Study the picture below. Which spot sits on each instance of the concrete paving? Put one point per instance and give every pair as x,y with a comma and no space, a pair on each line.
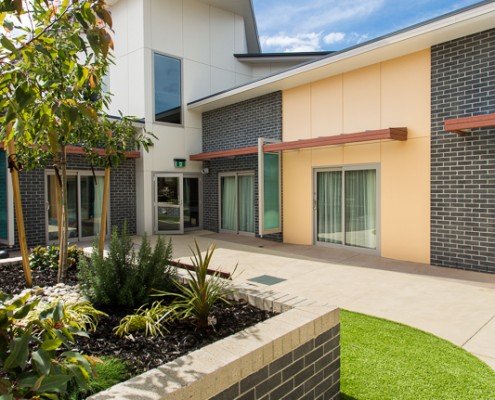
456,305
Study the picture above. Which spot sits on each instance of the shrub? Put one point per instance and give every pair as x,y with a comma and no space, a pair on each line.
147,320
32,361
108,372
81,316
43,257
125,278
197,296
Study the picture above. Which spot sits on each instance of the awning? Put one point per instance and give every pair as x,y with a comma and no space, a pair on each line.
464,125
366,136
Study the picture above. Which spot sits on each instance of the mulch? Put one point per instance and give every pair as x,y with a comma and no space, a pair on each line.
12,278
142,353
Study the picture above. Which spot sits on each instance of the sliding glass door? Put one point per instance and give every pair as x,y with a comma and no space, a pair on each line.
84,205
237,202
346,207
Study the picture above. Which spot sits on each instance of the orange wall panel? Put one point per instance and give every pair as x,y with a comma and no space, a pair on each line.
390,94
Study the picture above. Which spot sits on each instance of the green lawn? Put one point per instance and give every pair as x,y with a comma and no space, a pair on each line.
385,360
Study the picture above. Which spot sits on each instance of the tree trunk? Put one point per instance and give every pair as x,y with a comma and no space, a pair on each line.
104,211
61,163
20,217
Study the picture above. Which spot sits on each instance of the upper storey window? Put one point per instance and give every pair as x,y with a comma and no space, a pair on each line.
168,91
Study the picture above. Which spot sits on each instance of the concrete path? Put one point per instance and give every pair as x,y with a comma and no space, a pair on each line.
456,305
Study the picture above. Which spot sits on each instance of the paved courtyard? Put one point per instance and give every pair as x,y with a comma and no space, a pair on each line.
456,305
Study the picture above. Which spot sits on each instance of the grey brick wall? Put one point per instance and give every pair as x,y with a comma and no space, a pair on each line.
122,198
235,126
310,372
463,167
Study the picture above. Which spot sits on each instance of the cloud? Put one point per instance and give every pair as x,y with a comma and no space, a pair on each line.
292,43
334,37
301,16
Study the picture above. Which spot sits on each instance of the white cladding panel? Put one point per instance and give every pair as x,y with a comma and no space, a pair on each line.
205,38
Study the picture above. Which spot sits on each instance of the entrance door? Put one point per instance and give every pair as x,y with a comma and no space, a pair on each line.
168,204
237,202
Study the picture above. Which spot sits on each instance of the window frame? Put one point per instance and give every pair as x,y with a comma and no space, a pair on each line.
342,169
181,60
77,174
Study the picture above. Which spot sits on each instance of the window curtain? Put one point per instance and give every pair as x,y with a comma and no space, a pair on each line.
360,208
228,203
246,203
329,207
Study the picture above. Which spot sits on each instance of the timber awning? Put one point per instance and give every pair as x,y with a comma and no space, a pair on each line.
366,136
464,125
101,152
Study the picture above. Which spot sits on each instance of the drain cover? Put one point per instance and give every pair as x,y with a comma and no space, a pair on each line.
267,280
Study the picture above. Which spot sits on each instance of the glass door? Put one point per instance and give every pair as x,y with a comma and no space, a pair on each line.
228,203
91,204
245,203
72,207
168,204
237,202
345,207
191,202
329,207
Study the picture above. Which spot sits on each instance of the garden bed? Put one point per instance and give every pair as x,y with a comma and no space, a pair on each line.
12,277
139,351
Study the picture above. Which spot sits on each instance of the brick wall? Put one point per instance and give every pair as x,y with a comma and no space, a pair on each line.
235,126
463,167
122,198
310,372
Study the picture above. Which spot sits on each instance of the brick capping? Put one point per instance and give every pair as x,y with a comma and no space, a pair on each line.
464,125
294,355
369,135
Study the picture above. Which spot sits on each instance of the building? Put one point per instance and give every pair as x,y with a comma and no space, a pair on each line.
386,147
167,53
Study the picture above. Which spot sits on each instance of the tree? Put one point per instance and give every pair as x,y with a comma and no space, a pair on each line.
53,59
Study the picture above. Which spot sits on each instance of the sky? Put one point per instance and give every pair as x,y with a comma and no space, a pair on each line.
317,25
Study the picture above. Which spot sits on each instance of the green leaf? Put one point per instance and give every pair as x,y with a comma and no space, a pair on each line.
41,361
20,352
20,314
7,44
55,383
58,312
51,344
80,375
8,396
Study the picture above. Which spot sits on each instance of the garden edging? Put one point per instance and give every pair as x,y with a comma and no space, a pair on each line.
295,355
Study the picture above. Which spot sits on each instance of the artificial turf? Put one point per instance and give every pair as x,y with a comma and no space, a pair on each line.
383,360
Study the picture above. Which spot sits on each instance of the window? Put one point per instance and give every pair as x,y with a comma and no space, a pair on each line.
167,86
271,193
346,207
84,204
